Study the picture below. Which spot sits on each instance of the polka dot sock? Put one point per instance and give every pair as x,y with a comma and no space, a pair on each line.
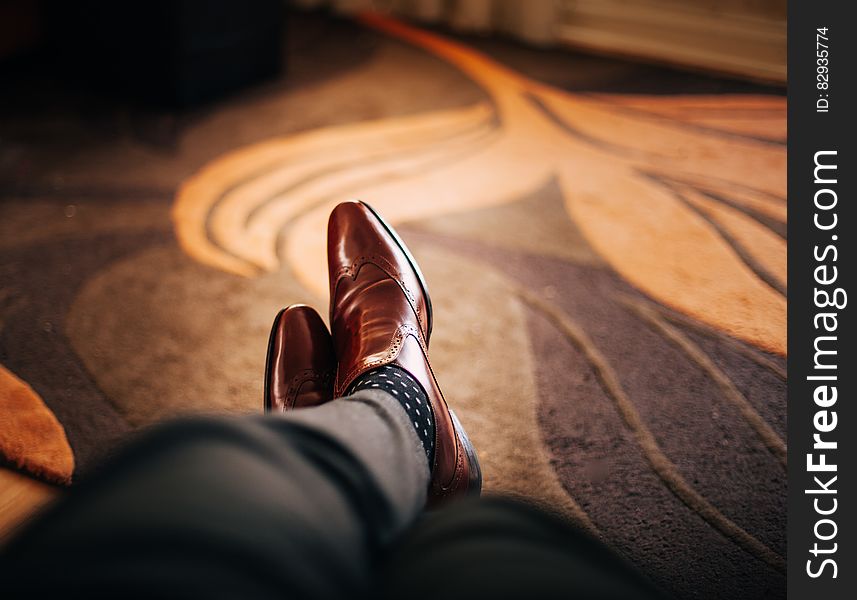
398,383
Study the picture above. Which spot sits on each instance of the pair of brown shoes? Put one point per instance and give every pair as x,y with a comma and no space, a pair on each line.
380,314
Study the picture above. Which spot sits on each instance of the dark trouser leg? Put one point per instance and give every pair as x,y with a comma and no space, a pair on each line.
282,507
498,548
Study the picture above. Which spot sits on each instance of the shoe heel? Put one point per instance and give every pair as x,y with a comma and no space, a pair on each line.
474,482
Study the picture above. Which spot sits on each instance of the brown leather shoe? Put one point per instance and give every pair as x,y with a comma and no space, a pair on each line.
380,314
301,364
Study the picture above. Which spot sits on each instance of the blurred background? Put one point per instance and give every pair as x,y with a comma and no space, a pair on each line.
172,43
595,190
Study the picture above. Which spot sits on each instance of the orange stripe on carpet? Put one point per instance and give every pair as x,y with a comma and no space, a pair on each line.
31,437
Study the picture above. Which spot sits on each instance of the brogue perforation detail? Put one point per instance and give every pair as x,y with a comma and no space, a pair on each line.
301,378
353,270
395,346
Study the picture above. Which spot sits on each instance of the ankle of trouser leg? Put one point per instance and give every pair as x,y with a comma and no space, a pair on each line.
410,395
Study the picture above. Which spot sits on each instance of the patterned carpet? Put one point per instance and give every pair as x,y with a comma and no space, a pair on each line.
604,242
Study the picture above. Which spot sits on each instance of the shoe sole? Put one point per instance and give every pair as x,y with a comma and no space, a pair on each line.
401,244
268,360
474,481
